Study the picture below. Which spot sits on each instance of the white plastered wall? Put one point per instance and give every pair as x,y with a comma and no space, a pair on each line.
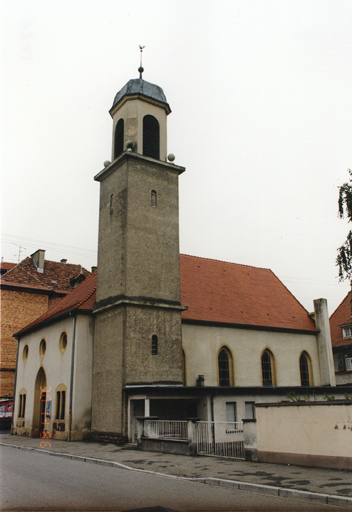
57,368
202,344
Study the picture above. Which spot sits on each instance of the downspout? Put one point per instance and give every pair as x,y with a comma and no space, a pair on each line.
71,377
15,384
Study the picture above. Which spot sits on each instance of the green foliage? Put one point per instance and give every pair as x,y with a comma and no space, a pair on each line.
328,397
294,397
344,253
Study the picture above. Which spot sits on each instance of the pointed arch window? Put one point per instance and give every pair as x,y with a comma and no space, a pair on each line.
225,367
151,137
305,369
118,140
268,368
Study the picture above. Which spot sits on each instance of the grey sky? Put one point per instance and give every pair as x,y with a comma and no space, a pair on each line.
260,93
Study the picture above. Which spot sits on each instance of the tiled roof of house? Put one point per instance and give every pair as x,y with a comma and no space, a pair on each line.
218,292
5,266
341,316
56,277
81,298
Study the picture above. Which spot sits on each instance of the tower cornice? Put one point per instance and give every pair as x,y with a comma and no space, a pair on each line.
129,155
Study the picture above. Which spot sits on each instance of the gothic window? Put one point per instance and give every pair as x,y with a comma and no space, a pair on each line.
304,368
225,367
154,345
154,198
60,402
118,142
22,404
268,369
151,137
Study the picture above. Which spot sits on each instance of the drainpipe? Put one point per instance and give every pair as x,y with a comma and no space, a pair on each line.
15,384
71,377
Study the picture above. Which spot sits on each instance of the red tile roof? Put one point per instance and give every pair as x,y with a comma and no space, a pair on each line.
218,292
56,277
6,265
81,298
341,316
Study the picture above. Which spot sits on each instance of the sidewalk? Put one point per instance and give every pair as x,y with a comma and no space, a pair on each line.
323,485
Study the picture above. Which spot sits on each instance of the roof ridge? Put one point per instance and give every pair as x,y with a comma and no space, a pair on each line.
35,277
227,262
15,265
343,300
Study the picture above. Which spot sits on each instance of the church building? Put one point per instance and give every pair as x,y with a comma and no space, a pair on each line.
154,333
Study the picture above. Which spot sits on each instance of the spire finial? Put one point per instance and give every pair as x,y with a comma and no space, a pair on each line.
141,69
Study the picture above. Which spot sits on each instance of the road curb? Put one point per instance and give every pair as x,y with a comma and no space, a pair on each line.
327,499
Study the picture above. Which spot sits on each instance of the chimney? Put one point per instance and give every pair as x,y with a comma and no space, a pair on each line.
38,260
63,261
94,269
326,361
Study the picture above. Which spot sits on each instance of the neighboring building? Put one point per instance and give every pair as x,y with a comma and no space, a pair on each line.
341,337
159,334
28,290
5,266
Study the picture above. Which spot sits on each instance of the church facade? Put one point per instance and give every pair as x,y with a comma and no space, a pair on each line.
154,333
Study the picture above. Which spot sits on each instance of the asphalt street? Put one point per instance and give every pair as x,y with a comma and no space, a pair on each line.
36,481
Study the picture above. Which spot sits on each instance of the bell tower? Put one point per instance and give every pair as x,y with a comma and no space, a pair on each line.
137,339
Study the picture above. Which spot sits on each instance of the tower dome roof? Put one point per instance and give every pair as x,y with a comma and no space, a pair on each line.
140,86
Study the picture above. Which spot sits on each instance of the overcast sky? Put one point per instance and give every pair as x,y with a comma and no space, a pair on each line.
261,99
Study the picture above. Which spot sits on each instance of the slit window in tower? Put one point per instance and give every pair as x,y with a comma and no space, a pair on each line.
118,142
151,137
154,345
154,198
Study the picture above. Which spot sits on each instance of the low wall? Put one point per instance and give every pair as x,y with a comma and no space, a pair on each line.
308,433
167,446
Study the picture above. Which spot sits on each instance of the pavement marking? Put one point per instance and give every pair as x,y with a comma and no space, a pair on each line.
328,499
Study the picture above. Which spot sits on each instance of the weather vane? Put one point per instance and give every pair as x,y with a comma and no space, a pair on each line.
141,69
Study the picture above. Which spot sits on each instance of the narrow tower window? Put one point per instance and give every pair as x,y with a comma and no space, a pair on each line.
154,198
151,137
118,142
111,204
154,345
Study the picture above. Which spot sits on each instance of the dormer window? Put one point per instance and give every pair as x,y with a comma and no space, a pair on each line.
347,332
151,137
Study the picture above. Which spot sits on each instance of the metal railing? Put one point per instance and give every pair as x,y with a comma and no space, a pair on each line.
220,439
166,429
